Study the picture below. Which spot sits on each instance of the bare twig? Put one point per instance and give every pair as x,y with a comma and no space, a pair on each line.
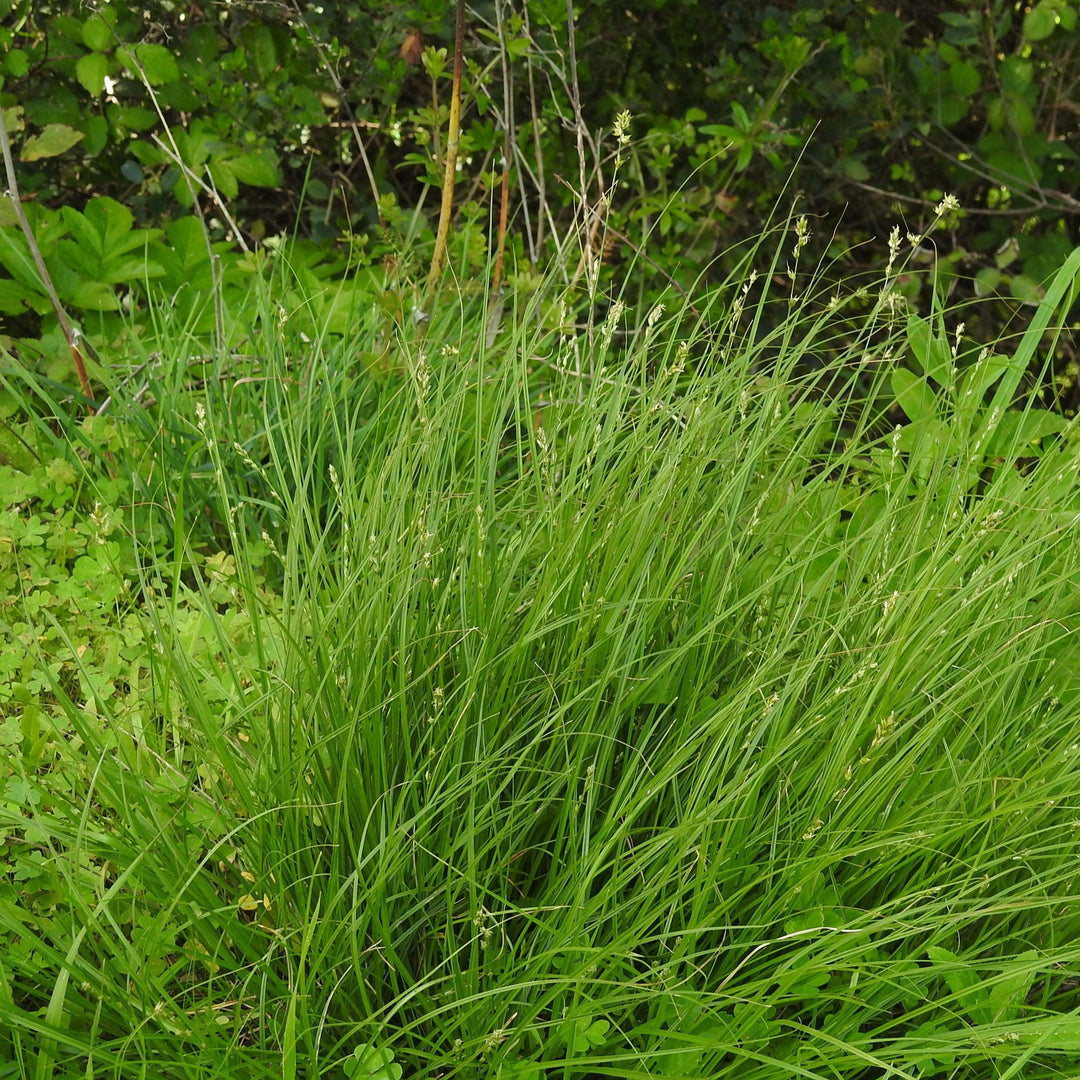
211,192
535,246
353,123
579,130
1038,197
71,336
452,135
623,238
173,151
504,187
560,72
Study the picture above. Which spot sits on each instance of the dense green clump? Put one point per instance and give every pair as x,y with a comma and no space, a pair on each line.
550,701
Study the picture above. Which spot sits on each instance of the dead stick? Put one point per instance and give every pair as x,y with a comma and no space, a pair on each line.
504,187
452,134
504,209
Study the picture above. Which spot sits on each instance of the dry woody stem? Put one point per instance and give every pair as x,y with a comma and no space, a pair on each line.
452,135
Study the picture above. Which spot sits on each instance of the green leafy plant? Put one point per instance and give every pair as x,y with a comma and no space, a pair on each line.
341,111
368,1063
947,406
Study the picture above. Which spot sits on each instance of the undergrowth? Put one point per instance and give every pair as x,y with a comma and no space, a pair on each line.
523,706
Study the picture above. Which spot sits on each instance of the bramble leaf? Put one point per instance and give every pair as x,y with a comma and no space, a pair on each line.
53,140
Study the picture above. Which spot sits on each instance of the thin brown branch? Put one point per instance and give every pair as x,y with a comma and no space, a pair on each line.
452,136
352,120
504,212
974,211
639,253
504,186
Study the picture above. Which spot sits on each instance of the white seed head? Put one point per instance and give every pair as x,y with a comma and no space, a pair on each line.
950,202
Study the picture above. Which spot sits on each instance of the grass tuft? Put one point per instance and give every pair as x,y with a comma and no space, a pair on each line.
632,705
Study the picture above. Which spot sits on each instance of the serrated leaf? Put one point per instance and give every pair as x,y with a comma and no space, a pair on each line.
112,220
126,271
224,177
71,268
14,297
133,117
91,296
155,62
146,153
197,144
259,41
187,239
16,260
53,140
97,33
257,169
91,70
159,64
88,239
202,43
1007,995
135,240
